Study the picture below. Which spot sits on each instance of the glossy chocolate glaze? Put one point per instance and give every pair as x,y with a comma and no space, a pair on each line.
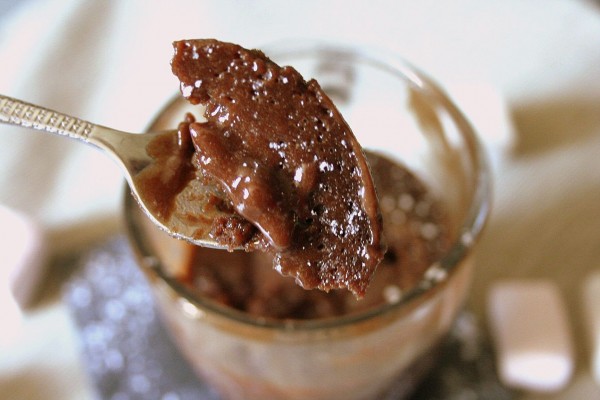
288,162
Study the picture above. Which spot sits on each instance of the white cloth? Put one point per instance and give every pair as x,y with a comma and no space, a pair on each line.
533,63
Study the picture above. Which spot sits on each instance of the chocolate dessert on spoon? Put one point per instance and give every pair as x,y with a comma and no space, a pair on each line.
272,165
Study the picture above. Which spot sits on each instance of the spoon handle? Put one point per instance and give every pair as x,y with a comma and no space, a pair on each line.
19,113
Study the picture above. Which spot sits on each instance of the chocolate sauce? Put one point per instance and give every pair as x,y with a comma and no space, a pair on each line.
171,171
288,163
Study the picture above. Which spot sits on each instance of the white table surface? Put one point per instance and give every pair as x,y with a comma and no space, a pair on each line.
526,72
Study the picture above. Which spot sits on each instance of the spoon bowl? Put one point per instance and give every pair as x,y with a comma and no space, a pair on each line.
130,151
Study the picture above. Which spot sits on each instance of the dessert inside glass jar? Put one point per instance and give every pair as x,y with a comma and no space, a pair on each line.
253,334
416,231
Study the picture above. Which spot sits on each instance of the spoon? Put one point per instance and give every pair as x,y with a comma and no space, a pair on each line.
129,151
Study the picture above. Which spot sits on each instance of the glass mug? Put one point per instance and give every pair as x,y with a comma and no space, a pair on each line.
380,353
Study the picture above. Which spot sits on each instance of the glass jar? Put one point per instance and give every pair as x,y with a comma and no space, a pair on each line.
393,109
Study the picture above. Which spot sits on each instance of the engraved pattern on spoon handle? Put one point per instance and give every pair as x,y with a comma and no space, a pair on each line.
17,112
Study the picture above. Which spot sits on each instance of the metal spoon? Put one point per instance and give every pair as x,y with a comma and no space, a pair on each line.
129,151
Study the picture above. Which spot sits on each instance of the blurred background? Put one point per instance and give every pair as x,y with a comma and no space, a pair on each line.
526,73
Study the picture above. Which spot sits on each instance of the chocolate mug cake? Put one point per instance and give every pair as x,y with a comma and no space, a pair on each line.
252,333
